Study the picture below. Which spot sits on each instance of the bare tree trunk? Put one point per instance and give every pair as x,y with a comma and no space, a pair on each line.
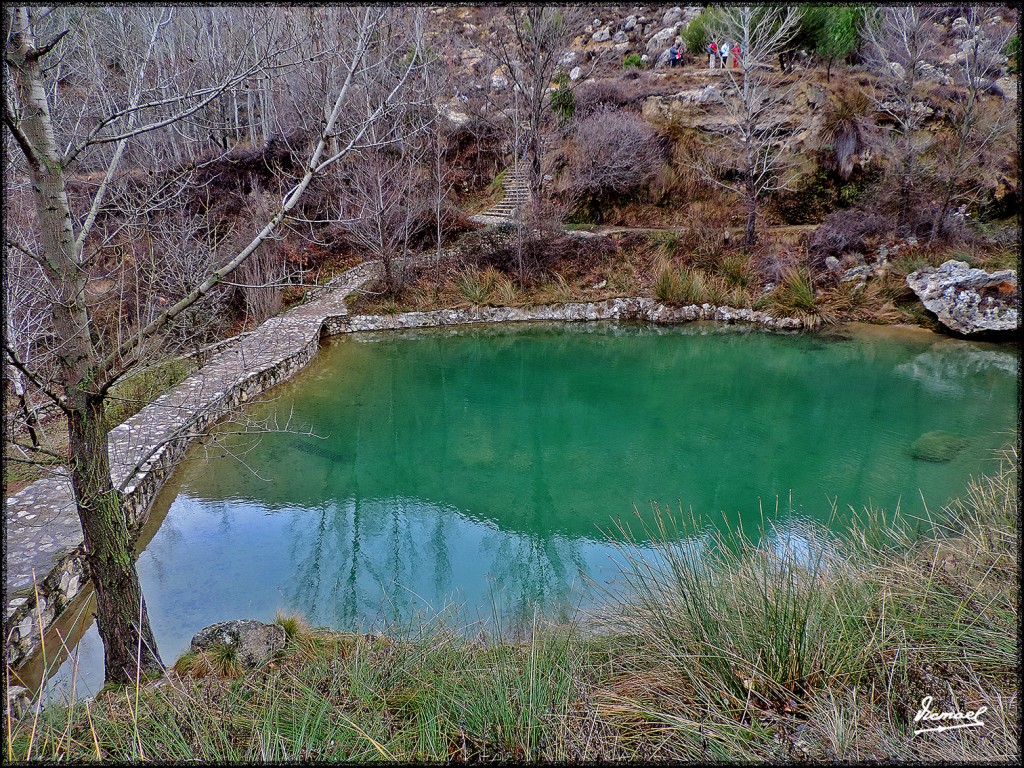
940,212
129,647
120,611
31,419
750,237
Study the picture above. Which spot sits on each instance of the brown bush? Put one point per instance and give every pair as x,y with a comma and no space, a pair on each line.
597,94
845,231
222,183
614,153
474,152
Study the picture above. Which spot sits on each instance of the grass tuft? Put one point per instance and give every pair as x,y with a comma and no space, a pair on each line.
296,628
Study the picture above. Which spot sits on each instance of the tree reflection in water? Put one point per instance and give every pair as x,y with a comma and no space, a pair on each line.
362,562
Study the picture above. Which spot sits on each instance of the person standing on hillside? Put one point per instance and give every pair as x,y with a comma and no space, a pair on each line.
736,54
712,50
674,58
723,51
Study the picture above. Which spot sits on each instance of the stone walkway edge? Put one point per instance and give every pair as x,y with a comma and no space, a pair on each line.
44,550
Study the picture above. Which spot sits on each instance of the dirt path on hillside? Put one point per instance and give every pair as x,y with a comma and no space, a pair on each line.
782,229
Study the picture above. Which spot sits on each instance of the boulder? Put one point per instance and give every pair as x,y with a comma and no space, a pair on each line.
969,301
672,16
691,12
18,700
938,446
575,73
630,24
602,35
857,274
660,41
961,24
252,640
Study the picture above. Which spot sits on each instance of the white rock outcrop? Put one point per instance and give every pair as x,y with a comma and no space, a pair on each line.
968,300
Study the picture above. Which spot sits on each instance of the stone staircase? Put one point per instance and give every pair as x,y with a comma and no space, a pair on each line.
517,193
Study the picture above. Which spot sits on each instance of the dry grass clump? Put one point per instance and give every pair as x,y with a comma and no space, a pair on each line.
681,286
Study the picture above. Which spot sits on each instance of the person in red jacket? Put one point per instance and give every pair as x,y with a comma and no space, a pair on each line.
712,50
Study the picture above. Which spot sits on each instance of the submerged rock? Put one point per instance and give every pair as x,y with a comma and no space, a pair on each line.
937,446
969,300
252,640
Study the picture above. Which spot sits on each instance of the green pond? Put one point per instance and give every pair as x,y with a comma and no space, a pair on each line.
487,466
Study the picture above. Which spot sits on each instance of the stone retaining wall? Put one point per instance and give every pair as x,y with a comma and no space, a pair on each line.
612,309
146,448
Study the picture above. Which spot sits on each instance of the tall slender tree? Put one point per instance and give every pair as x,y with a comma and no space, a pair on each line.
128,104
747,153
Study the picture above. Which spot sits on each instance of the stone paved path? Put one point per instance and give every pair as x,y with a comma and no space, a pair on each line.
41,522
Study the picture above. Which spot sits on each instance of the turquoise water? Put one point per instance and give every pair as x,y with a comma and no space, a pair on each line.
486,466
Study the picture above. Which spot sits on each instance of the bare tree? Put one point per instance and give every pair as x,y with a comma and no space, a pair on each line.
109,130
977,120
748,154
528,49
898,41
24,329
383,191
437,82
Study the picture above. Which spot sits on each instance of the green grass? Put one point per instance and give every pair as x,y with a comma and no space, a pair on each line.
632,61
795,296
474,286
817,648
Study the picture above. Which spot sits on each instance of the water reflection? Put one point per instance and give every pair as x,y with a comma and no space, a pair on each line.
361,562
953,368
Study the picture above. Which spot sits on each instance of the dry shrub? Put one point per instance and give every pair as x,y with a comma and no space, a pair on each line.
772,263
848,128
473,151
259,281
614,153
222,183
594,95
845,231
701,241
533,253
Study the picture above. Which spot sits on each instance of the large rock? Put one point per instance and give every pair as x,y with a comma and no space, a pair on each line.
253,640
661,40
968,300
